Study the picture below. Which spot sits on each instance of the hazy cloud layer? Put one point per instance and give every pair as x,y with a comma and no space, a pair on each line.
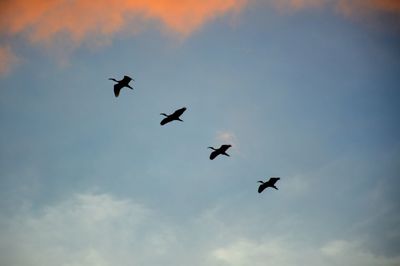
99,229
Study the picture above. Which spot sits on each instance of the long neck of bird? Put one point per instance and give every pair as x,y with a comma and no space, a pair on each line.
164,114
113,79
212,148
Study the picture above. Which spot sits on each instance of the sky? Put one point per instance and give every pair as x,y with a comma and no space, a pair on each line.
306,90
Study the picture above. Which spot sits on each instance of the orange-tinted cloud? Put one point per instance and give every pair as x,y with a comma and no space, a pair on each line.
43,20
348,7
8,60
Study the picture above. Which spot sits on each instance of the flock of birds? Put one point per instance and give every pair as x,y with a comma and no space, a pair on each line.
175,116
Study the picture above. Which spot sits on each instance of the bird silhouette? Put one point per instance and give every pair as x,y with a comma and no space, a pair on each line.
221,150
270,183
174,116
121,83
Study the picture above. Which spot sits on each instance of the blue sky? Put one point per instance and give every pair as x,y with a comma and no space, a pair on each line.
308,94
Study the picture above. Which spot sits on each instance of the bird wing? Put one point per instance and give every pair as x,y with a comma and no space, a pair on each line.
179,112
213,155
165,121
117,89
261,188
126,79
224,147
273,180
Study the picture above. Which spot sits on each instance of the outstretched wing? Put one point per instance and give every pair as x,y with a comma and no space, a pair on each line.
165,121
179,112
261,188
273,180
224,147
117,89
213,155
126,79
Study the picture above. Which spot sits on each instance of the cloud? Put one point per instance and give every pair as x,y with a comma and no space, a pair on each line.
65,25
42,20
86,229
100,229
8,60
227,137
283,253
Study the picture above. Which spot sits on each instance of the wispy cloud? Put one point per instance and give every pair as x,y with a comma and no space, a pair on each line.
8,60
227,137
42,21
85,229
70,23
283,253
100,229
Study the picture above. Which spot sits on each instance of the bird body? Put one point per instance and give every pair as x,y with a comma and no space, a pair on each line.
221,150
121,83
174,116
270,183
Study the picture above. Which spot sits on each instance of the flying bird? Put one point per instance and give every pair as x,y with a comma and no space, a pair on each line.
121,83
174,116
270,183
221,150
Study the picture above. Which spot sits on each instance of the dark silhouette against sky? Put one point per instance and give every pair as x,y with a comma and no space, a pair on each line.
174,116
221,150
270,183
121,83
